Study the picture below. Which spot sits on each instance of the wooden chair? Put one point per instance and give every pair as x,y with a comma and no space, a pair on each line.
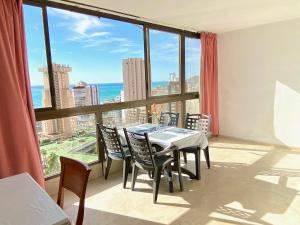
74,177
114,150
197,122
169,119
143,158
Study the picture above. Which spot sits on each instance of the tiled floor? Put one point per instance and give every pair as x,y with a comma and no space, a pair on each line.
248,183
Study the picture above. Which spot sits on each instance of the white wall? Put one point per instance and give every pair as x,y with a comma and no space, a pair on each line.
259,83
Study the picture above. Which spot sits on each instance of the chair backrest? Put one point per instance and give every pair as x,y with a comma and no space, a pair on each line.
198,122
74,177
169,119
140,150
111,140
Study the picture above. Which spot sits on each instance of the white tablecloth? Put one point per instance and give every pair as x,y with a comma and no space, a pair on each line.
169,137
23,202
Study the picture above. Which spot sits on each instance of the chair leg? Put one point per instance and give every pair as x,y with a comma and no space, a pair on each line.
197,161
107,168
206,154
177,167
184,157
126,167
179,170
150,174
170,178
135,170
156,182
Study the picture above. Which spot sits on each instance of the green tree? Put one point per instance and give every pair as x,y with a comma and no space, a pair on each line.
53,165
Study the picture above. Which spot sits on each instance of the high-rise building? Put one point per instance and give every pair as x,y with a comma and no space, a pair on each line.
174,88
59,127
134,88
192,83
134,79
85,94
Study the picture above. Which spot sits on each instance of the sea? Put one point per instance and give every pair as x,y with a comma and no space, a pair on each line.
107,91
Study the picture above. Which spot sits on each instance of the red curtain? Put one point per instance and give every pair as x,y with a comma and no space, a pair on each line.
19,149
209,79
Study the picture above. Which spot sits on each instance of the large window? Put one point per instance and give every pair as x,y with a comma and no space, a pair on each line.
97,60
97,70
73,137
192,64
37,60
164,58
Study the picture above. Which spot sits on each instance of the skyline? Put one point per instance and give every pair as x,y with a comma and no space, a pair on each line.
104,43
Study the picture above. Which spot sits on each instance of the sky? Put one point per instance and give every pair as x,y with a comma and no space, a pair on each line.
95,47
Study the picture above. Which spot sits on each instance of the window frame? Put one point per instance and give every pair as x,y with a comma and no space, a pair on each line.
185,89
54,113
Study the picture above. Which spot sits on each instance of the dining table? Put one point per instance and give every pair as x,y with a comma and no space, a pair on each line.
24,202
170,139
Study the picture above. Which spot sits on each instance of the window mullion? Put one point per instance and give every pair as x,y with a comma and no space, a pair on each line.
48,55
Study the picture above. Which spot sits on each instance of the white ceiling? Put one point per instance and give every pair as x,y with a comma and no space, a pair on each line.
205,15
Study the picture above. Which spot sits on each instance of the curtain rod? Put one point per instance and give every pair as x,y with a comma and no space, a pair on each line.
100,8
142,19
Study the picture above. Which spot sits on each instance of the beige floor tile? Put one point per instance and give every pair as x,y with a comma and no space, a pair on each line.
248,183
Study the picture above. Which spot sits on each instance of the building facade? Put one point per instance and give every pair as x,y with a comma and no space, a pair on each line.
134,89
64,127
84,94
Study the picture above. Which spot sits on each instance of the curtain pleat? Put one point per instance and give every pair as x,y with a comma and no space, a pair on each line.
209,79
19,149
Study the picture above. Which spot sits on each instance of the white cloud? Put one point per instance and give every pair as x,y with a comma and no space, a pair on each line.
87,37
82,25
167,52
91,33
107,40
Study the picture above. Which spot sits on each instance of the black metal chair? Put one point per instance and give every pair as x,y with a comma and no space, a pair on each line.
144,158
169,119
197,122
114,150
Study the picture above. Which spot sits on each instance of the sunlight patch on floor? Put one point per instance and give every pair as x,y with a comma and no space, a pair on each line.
229,155
270,179
289,161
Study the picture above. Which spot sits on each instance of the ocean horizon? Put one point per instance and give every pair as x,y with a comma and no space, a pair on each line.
107,91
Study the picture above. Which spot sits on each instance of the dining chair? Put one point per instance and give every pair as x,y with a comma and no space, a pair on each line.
197,122
114,150
74,177
144,158
169,119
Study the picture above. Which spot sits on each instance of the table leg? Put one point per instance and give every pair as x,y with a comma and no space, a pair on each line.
176,155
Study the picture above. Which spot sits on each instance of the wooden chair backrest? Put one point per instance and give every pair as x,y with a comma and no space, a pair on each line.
74,177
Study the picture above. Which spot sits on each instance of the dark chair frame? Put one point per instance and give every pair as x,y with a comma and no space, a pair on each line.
174,118
114,150
191,120
74,177
146,160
